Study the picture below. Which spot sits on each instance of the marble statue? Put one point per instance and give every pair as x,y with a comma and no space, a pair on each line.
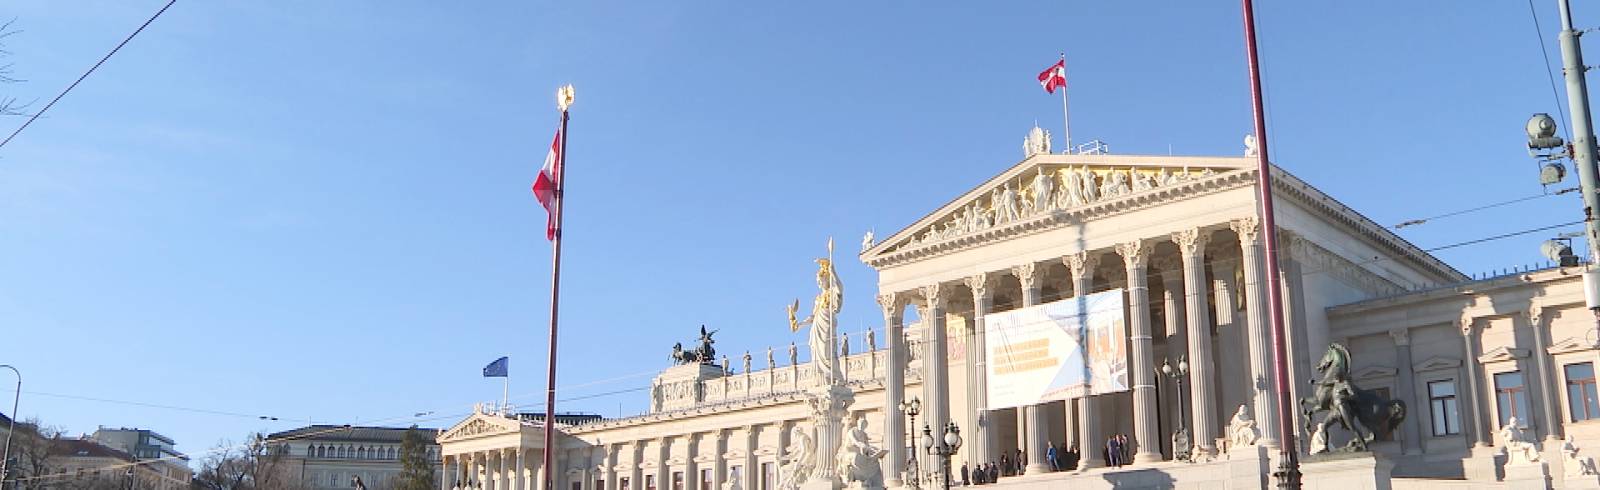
1007,210
1037,141
1142,181
844,344
1091,189
1116,184
1363,412
866,241
746,361
1516,444
798,460
1044,188
725,364
732,481
1250,145
1319,441
1575,464
823,320
794,357
1072,190
770,364
1171,178
858,459
872,341
1242,430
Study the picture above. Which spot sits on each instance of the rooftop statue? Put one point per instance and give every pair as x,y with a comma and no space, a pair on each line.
1362,412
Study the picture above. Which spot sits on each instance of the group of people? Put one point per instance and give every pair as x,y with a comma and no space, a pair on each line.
1116,451
1016,464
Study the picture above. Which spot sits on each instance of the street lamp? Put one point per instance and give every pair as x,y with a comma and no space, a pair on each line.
5,459
943,449
912,407
1179,452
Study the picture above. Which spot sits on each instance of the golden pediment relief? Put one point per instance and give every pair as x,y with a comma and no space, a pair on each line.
1047,189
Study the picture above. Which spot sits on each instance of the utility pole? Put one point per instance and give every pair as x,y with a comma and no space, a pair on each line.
1583,148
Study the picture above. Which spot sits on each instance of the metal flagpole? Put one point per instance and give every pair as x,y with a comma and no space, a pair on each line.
563,100
1066,124
505,392
1288,473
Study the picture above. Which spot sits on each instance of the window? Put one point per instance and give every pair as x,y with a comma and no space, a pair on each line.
1582,401
677,480
769,477
1442,402
322,451
1511,399
705,480
624,483
649,482
599,483
577,485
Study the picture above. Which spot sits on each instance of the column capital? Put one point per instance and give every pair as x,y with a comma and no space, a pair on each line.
1248,229
1401,336
1027,274
1191,242
1536,315
890,302
933,295
1135,256
1465,323
1082,263
979,283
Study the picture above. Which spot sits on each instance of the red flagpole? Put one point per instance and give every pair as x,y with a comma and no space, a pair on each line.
565,96
1288,473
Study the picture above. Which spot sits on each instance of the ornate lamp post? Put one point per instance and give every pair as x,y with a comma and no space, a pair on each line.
943,449
1182,434
912,407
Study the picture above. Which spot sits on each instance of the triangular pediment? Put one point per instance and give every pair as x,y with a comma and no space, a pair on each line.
1503,354
1436,363
480,425
1373,372
1046,189
1570,344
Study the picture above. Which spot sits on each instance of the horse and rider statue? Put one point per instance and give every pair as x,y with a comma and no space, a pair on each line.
1366,414
702,354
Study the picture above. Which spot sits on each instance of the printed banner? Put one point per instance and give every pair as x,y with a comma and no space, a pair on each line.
1037,354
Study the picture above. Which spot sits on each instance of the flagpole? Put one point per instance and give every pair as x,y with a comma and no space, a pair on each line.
564,100
1066,122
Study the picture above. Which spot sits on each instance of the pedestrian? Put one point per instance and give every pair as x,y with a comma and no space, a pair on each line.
1123,444
965,481
1072,455
1111,451
1022,461
994,471
1005,462
1050,456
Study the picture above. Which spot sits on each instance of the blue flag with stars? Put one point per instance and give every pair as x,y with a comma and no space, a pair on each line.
500,368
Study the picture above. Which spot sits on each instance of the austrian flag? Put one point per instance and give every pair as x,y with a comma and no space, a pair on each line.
545,185
1054,77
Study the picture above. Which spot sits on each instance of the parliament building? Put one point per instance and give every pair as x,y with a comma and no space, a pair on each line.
1486,383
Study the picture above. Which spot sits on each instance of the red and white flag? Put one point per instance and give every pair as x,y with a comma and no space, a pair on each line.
1054,77
545,185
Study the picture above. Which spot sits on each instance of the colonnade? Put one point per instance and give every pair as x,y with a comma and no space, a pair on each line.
1190,314
499,469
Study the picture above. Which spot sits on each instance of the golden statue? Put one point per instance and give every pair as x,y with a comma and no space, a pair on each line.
823,319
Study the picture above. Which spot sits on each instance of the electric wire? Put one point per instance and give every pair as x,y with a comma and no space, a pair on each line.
1419,221
97,64
1538,33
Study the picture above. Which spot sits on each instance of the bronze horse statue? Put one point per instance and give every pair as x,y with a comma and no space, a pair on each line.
1362,412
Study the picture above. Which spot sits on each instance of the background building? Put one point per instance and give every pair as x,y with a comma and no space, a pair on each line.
328,456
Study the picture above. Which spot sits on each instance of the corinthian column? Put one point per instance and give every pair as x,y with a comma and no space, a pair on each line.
1146,431
1257,330
1090,440
936,362
978,372
1192,245
1480,426
1038,426
894,429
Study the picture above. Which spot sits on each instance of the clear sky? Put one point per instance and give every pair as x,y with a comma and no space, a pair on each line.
319,211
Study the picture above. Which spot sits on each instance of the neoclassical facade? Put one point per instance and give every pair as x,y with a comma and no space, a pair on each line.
1181,238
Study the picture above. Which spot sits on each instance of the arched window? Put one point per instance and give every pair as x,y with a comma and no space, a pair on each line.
341,451
321,452
361,453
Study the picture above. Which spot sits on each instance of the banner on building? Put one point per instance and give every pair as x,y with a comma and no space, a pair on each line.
1055,351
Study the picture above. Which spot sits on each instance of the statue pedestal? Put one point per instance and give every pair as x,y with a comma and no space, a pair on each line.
1535,475
1248,468
1585,482
678,387
829,404
1346,471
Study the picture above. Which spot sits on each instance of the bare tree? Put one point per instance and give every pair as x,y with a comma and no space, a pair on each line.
31,445
257,465
8,105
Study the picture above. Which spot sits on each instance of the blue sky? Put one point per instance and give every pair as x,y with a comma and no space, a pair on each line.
319,210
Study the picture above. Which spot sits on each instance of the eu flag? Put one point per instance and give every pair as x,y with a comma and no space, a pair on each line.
500,368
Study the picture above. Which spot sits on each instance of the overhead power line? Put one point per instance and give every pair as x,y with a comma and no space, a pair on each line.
97,64
1419,221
